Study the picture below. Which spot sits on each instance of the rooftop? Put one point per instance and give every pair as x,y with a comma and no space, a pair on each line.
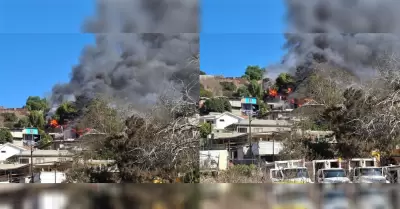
46,153
12,166
228,135
265,122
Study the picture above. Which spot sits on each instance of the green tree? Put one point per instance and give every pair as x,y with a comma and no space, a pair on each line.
254,72
284,81
36,119
202,72
255,89
45,139
35,103
219,104
243,91
66,111
5,136
205,130
262,107
22,123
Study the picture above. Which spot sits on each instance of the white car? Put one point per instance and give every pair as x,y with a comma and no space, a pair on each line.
369,175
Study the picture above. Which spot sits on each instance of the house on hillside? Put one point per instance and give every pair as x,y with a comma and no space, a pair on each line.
8,149
42,157
219,121
236,106
260,127
266,139
18,136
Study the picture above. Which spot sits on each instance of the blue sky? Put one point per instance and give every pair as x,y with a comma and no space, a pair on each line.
40,41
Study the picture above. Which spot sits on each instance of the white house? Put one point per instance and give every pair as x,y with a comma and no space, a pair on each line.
18,135
45,158
220,121
8,149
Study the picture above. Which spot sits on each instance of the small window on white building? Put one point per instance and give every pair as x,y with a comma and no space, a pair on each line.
3,151
242,130
221,120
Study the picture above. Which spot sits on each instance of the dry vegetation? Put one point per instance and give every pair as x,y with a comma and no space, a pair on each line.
363,115
162,142
236,174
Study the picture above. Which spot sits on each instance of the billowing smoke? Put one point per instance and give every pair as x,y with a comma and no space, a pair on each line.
142,48
351,34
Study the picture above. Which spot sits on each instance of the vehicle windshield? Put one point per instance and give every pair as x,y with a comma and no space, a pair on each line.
371,171
290,173
334,173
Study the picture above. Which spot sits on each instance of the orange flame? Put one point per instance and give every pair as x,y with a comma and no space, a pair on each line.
54,123
273,92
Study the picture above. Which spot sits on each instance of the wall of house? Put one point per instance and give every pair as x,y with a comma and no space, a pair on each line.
261,129
267,148
17,133
224,121
39,160
8,151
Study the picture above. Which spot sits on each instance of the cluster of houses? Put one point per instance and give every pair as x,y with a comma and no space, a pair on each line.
20,160
237,139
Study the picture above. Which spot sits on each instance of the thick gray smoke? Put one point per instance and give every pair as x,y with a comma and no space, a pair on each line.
352,34
142,48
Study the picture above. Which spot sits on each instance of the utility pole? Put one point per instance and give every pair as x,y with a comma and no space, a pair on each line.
32,140
55,172
249,136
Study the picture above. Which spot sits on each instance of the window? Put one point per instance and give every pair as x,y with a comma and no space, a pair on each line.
257,130
242,130
3,151
23,160
221,120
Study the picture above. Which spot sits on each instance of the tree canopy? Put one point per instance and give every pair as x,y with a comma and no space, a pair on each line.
218,104
65,112
284,81
254,72
36,119
5,136
35,103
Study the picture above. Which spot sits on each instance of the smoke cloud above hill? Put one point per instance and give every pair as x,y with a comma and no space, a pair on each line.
352,34
142,48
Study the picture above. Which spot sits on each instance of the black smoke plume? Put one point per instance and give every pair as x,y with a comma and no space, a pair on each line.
351,34
142,48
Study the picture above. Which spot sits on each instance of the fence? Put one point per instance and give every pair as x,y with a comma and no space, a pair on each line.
199,196
209,162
